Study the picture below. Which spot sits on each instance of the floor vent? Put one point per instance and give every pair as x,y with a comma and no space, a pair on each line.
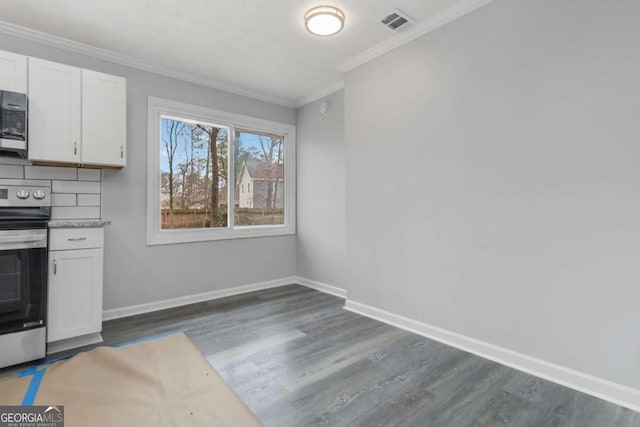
396,20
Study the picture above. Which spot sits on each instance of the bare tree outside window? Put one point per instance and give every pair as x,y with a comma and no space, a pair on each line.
195,169
193,174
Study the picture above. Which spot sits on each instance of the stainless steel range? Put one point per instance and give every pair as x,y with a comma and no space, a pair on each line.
24,213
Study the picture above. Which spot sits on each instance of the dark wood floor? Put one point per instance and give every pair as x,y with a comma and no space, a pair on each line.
296,358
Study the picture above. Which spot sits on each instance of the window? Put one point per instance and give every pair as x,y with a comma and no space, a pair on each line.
260,157
200,163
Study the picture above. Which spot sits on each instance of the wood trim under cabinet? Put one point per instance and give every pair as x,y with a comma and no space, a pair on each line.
75,165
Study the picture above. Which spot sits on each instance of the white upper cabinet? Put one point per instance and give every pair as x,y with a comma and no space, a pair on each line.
104,116
13,72
54,112
76,116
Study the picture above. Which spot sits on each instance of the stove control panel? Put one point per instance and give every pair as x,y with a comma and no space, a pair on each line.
29,196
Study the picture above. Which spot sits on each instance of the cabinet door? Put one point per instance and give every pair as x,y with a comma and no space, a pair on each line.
104,116
75,293
13,72
54,112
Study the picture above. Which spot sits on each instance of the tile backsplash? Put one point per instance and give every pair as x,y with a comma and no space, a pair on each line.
76,193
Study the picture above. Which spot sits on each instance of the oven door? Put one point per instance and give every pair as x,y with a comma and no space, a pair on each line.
23,279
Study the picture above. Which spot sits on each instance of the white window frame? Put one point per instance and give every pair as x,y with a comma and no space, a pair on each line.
158,107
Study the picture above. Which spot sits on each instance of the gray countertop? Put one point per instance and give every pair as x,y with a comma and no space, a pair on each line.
78,223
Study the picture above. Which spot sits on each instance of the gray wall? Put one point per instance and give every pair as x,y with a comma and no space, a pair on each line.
493,181
134,272
321,192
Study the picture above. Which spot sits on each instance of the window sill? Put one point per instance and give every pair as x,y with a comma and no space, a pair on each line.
170,237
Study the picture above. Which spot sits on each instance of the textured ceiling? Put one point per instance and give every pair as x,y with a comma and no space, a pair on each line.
257,45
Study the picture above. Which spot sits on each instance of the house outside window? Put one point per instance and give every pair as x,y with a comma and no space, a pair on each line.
268,185
200,161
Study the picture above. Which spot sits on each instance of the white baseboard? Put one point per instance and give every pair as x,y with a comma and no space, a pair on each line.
132,310
75,342
604,389
322,287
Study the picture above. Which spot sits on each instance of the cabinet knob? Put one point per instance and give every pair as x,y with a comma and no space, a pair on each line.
75,148
121,152
55,267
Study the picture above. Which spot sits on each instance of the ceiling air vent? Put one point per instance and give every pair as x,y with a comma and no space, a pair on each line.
396,20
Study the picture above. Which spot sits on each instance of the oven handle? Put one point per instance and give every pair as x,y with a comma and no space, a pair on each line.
20,239
13,240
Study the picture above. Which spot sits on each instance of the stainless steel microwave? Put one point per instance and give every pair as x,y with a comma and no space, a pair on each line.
13,122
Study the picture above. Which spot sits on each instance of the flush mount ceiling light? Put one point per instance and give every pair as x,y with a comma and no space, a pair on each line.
324,20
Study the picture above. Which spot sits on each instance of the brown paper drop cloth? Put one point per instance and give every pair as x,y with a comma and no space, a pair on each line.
161,382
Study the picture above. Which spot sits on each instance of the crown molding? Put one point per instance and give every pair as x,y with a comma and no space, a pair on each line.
24,33
448,15
454,12
327,90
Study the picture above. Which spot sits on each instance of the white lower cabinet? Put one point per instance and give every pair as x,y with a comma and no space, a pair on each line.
75,283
